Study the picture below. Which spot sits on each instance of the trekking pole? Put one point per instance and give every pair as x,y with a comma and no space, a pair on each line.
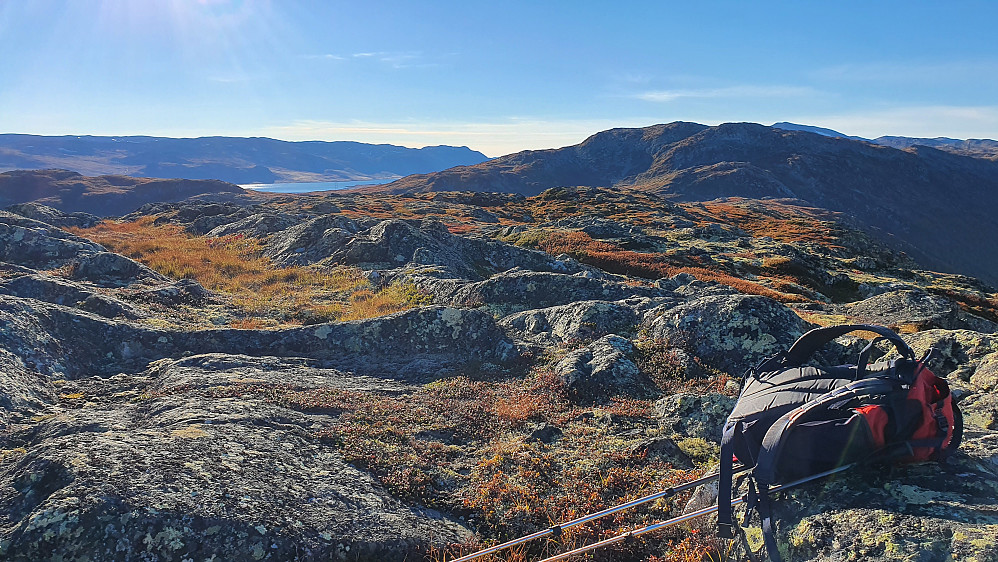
687,516
557,529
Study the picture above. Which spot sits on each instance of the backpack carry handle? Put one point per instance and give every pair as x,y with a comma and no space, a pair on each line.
813,340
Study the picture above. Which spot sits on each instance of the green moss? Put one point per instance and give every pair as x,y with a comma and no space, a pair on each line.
699,449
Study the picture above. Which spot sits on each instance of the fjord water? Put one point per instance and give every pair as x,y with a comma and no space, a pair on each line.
305,187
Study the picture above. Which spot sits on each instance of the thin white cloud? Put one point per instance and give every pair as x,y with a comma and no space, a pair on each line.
327,56
961,122
393,59
727,92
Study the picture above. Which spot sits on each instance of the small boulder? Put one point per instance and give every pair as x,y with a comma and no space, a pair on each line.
665,448
602,369
544,433
180,292
579,321
107,269
985,377
695,415
917,309
54,217
729,332
980,410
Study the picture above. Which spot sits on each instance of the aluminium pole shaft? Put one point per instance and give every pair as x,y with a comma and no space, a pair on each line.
687,516
556,529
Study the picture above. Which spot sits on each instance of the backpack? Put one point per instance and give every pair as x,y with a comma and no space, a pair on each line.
793,421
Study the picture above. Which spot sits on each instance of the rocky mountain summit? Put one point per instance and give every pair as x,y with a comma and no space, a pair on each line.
362,376
934,205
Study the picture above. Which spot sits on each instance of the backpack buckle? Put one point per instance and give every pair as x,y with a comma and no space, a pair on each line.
942,422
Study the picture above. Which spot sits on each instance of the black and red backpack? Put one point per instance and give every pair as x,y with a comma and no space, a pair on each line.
792,421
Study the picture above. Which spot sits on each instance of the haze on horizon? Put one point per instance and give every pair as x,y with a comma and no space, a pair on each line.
498,78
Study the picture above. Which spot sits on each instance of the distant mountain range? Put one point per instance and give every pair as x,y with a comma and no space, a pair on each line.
233,159
982,148
938,206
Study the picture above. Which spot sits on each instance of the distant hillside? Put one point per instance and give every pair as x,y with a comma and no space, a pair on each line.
979,148
937,206
105,195
232,159
812,129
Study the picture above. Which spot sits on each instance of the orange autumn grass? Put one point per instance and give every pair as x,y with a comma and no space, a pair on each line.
233,265
610,257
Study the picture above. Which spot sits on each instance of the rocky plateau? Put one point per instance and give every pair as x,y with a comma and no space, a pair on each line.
414,376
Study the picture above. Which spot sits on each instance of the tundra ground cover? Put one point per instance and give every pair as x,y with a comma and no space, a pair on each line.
264,293
512,455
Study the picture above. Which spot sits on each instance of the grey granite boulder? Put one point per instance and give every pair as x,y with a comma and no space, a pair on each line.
727,332
107,269
602,369
575,322
33,244
695,415
54,217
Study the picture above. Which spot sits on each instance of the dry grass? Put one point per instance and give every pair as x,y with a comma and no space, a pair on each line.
262,291
610,257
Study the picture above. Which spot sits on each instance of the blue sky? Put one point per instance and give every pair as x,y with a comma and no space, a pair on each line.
496,76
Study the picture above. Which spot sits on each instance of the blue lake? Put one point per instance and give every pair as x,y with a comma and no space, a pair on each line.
305,187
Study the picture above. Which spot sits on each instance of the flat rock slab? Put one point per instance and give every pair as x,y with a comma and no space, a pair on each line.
183,476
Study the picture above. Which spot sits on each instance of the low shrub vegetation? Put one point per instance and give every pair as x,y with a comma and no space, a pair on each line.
266,295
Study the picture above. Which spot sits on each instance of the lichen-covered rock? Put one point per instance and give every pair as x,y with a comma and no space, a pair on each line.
180,477
423,343
36,245
58,291
915,308
22,391
107,269
174,293
579,321
518,290
54,217
928,511
957,352
311,241
602,369
980,410
985,377
695,415
727,332
391,244
257,226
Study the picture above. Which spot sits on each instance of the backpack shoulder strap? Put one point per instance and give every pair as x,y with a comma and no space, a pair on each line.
725,528
812,341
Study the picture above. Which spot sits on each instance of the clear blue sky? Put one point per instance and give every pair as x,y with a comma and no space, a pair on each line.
496,76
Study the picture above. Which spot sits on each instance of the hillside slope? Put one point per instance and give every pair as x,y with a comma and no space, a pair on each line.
104,195
232,159
935,205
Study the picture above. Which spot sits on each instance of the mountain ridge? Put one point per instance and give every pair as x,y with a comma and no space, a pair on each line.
238,160
980,148
934,204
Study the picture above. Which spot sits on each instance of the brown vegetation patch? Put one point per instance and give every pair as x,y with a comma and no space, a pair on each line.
263,292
